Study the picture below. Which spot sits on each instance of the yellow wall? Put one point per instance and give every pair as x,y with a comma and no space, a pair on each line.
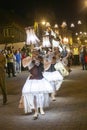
16,45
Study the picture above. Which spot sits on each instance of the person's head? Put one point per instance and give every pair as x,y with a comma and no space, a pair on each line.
40,58
54,59
35,53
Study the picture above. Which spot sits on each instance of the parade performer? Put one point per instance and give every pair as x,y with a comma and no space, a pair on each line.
52,75
61,66
35,92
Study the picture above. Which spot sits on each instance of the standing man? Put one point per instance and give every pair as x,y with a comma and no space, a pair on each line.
76,55
18,61
2,77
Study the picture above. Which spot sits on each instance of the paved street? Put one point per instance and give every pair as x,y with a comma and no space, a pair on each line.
68,112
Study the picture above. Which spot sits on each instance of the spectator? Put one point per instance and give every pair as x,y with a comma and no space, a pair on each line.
2,77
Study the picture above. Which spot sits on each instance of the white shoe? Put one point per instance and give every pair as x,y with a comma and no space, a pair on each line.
35,116
53,99
42,112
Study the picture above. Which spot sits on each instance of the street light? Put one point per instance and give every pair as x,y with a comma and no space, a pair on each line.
40,27
43,22
56,26
64,24
72,25
85,3
65,40
79,22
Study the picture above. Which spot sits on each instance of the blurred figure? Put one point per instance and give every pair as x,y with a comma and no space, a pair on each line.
35,92
83,55
76,55
18,61
64,52
10,63
70,61
53,76
2,77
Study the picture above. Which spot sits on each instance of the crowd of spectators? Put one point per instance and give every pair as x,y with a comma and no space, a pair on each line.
14,57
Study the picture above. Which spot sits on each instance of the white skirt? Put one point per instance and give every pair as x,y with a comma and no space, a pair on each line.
53,76
37,86
28,101
38,89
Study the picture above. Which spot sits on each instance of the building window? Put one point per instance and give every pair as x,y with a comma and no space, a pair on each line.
6,32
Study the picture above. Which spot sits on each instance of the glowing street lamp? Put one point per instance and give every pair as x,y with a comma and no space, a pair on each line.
48,24
85,33
72,25
78,38
43,22
79,22
85,3
63,25
80,32
65,40
76,34
56,26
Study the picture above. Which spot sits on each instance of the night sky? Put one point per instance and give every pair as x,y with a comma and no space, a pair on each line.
51,10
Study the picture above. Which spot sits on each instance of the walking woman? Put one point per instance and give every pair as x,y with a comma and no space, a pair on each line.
35,92
53,76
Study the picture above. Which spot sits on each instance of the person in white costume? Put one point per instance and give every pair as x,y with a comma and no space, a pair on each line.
35,92
31,37
53,76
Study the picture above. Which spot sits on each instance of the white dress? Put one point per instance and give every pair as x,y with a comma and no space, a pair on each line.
38,88
54,77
